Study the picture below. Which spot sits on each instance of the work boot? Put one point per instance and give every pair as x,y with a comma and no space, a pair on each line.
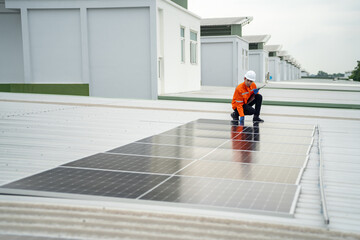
257,119
234,117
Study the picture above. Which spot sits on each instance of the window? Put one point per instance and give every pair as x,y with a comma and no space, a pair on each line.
247,59
182,43
193,47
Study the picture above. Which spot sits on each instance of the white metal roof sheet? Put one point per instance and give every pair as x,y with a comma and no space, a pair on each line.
38,132
226,21
272,48
257,38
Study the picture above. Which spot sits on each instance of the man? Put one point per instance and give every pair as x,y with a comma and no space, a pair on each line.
245,96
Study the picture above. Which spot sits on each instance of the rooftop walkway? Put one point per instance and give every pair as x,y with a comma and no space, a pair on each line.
301,93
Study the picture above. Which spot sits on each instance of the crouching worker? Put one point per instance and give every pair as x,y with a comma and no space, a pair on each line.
245,96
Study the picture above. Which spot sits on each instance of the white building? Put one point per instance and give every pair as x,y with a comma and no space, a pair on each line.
224,53
117,48
284,74
274,61
348,74
258,56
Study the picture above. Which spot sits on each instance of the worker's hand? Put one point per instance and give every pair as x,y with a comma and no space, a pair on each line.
242,119
256,91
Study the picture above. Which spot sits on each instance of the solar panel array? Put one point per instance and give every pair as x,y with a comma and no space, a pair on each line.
206,163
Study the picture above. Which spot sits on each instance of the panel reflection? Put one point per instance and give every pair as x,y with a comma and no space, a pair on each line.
249,195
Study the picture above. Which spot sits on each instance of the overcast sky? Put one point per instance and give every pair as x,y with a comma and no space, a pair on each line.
319,34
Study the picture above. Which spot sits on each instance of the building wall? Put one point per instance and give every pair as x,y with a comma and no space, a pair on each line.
109,44
274,68
173,75
217,71
55,45
11,50
283,71
223,63
119,52
258,62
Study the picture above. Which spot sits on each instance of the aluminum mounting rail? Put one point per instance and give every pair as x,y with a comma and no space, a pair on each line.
321,174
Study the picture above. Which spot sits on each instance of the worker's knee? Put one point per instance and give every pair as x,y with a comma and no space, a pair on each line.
258,96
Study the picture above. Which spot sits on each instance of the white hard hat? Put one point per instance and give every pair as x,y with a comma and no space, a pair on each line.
250,75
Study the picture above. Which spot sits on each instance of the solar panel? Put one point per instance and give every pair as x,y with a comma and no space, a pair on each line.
204,164
264,158
265,124
200,133
184,141
297,149
130,163
144,149
239,136
89,182
240,171
249,129
225,126
224,193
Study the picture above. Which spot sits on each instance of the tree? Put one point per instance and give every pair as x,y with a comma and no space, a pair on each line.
322,74
356,73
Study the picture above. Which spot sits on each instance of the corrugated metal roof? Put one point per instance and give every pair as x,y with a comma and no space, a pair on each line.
38,132
257,38
226,21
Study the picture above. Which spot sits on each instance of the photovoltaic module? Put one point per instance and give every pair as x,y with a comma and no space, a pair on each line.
207,163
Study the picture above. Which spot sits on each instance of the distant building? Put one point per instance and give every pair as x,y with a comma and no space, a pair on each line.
224,53
304,73
258,56
113,48
274,61
348,74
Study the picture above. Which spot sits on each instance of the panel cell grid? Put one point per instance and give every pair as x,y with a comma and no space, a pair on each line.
131,163
200,133
89,182
184,141
181,152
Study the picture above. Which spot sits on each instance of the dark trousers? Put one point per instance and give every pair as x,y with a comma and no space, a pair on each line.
249,110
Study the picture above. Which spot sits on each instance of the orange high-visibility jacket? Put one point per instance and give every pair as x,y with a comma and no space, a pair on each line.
241,96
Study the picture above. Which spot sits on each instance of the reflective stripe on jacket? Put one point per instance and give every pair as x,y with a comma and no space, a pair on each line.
241,96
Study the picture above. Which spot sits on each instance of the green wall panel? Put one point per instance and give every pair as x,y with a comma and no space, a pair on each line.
236,30
63,89
183,3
